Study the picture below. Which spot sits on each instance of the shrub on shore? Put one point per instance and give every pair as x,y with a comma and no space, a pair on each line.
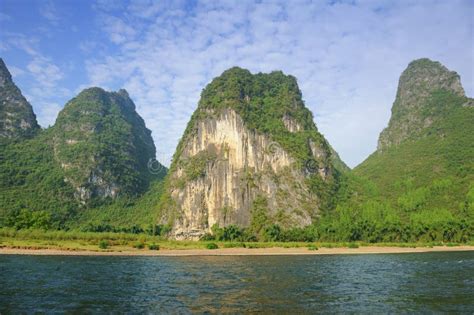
212,246
139,245
154,247
103,244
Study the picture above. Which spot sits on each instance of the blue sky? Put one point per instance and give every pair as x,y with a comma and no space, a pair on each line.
346,55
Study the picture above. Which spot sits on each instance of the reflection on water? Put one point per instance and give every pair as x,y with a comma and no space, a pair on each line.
427,282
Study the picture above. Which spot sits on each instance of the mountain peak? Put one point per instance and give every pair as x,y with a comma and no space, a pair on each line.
91,132
17,119
418,103
423,76
5,75
237,88
250,155
123,93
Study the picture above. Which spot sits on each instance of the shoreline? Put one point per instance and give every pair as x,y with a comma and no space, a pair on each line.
272,251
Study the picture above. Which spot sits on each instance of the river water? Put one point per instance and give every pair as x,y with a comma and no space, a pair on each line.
383,283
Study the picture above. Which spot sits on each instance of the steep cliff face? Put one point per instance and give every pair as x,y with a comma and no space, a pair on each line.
17,119
103,145
412,112
251,155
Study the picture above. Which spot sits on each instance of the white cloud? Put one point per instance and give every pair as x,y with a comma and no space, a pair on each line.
118,30
346,55
21,42
87,46
15,71
49,12
5,17
42,75
108,5
47,112
45,72
347,58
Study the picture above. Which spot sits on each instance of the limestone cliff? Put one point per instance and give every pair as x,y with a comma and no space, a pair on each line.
251,155
17,119
103,145
412,111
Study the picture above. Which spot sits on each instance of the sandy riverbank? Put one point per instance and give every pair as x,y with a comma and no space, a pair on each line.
239,251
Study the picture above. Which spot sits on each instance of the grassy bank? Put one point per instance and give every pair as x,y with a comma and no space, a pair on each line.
74,241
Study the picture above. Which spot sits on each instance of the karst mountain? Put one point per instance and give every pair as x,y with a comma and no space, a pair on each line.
250,157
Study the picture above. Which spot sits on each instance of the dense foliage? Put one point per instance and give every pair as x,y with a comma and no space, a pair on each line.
128,214
99,135
427,181
432,170
371,222
33,191
420,190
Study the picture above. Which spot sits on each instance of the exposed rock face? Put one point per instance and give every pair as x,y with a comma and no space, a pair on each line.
17,119
223,165
417,83
240,165
291,124
103,145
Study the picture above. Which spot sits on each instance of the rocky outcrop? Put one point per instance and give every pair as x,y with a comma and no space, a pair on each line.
17,119
410,111
223,166
238,166
103,145
291,124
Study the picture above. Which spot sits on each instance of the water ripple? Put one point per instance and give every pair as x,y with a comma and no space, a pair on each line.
431,282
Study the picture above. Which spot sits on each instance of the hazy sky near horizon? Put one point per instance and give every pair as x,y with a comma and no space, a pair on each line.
346,55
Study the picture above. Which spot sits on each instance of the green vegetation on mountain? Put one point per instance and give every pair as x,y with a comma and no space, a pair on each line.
33,191
103,145
423,170
258,117
90,172
126,214
416,105
263,101
432,170
419,185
